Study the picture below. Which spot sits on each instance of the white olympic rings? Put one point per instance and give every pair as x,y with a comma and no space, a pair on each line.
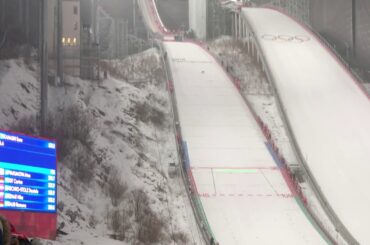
286,38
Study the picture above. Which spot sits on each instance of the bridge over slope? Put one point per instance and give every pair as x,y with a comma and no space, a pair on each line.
245,197
328,115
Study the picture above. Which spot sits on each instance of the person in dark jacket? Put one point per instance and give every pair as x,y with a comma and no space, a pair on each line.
14,241
4,231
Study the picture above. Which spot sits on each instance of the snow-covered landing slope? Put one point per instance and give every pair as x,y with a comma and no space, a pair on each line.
328,113
244,195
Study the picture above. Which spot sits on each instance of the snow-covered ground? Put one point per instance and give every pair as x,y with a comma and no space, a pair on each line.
132,136
233,55
328,113
256,90
232,167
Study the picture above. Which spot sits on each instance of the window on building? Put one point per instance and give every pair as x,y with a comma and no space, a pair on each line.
75,10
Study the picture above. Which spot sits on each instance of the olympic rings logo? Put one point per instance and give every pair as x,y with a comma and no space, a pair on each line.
286,38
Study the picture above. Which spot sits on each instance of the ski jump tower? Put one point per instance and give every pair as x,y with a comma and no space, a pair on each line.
198,18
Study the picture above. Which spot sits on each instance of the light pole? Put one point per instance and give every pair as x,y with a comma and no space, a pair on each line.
3,12
43,63
134,17
94,18
354,28
59,41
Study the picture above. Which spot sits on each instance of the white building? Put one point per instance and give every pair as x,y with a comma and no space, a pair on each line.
71,33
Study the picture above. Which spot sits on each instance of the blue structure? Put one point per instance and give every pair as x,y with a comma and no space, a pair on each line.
27,173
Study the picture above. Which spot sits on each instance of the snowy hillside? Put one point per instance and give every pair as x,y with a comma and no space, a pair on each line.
115,183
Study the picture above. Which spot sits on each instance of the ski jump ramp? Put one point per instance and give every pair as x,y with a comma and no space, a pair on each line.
328,112
244,194
151,18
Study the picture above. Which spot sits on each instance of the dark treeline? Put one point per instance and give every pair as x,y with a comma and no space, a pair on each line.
20,20
346,24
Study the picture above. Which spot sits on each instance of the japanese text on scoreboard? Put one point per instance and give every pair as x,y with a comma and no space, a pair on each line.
27,173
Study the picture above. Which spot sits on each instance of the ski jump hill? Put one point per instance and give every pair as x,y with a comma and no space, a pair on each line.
244,191
327,111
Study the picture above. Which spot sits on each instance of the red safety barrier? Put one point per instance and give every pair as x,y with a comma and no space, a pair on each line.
192,182
237,83
178,138
285,170
170,85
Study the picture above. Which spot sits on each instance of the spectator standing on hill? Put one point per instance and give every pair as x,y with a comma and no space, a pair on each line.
4,231
14,241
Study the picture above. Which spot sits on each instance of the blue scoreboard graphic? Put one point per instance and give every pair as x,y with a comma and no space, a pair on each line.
27,173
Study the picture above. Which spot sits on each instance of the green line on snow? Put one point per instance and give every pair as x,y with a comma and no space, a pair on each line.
198,203
312,221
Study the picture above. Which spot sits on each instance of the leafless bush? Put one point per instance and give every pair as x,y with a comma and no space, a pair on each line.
77,124
159,76
115,221
26,125
149,225
116,187
140,202
142,112
150,228
147,113
93,221
73,124
73,215
157,117
114,71
180,238
150,68
146,68
82,163
119,223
